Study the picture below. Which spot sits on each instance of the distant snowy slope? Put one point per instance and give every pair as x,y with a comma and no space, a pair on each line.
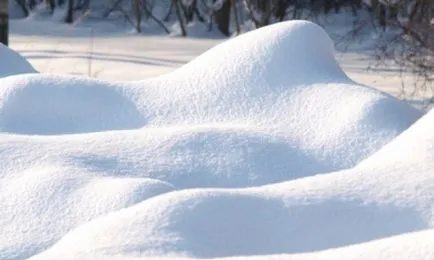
12,63
91,168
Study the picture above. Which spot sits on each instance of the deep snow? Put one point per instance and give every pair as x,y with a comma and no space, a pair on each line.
369,202
260,146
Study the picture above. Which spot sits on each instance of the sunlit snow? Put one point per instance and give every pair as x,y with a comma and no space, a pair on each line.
260,147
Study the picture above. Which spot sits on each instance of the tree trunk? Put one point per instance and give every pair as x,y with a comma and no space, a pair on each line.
138,15
70,12
382,16
281,7
222,17
237,21
337,5
328,5
180,18
4,23
52,5
158,21
266,12
355,5
23,6
188,11
169,13
32,4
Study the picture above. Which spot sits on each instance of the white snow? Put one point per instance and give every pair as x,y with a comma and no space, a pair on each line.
306,215
260,146
13,63
415,245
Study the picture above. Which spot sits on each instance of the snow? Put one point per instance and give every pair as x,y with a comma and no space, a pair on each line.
416,245
261,146
341,209
47,105
13,63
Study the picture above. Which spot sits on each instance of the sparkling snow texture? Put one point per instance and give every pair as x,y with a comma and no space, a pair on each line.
260,146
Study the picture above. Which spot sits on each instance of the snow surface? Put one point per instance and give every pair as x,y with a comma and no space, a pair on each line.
260,146
13,63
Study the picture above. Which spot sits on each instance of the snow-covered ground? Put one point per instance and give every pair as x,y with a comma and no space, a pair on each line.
260,147
105,52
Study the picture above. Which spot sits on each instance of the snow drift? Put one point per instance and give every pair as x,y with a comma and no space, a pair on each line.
310,214
95,169
12,63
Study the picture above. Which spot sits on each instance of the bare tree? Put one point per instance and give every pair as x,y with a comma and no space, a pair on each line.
51,4
137,15
70,12
177,5
409,44
222,15
236,18
23,5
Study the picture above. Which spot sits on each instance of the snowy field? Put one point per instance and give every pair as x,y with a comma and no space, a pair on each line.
262,146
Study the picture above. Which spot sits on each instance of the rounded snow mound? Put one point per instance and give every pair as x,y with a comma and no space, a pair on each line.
280,219
283,78
55,199
281,54
52,105
12,63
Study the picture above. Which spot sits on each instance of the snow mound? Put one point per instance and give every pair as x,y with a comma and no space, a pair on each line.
93,169
53,199
12,63
281,54
310,214
283,77
50,105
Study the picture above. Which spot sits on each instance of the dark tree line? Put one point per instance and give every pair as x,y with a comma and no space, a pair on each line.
231,14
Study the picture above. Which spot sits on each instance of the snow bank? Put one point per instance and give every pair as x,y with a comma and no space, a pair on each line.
317,213
96,169
12,63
